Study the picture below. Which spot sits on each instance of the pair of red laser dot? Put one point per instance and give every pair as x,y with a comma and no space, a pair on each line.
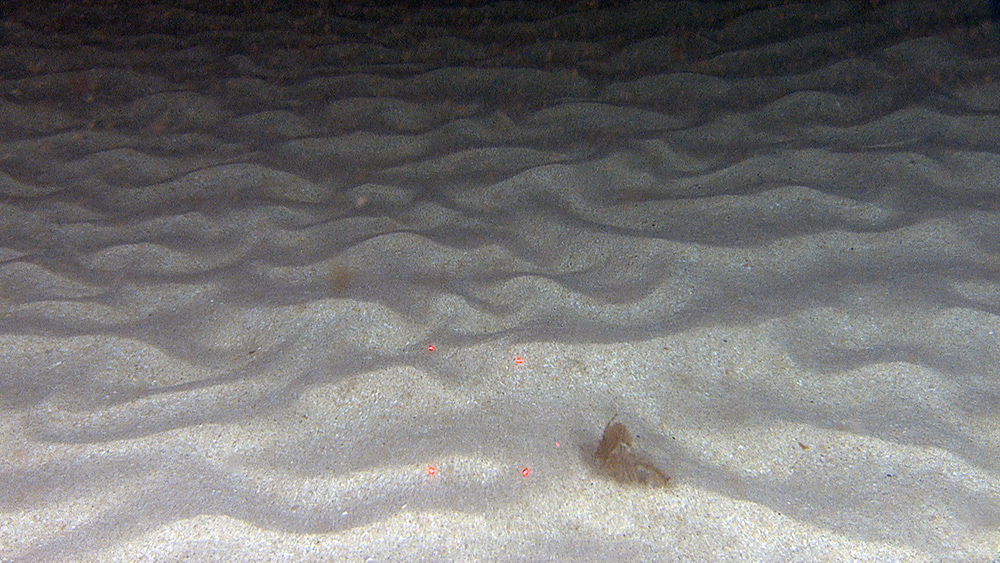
431,470
518,360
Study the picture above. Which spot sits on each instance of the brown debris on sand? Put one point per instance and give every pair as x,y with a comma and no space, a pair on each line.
617,458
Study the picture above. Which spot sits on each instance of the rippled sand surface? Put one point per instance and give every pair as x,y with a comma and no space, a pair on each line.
367,283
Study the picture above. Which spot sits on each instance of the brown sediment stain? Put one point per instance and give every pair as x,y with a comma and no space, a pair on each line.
341,277
617,458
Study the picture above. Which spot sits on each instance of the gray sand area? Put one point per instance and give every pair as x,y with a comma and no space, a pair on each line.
367,282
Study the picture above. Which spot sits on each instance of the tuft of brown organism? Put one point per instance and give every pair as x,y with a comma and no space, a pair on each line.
617,458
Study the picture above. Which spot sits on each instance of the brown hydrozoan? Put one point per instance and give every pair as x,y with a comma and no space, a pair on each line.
617,458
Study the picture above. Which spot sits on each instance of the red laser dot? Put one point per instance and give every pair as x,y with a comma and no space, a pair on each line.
431,348
526,471
431,470
519,360
558,445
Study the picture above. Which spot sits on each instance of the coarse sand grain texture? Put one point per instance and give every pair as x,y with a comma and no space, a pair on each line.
367,281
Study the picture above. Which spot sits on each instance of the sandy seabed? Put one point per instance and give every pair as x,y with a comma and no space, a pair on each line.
367,283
